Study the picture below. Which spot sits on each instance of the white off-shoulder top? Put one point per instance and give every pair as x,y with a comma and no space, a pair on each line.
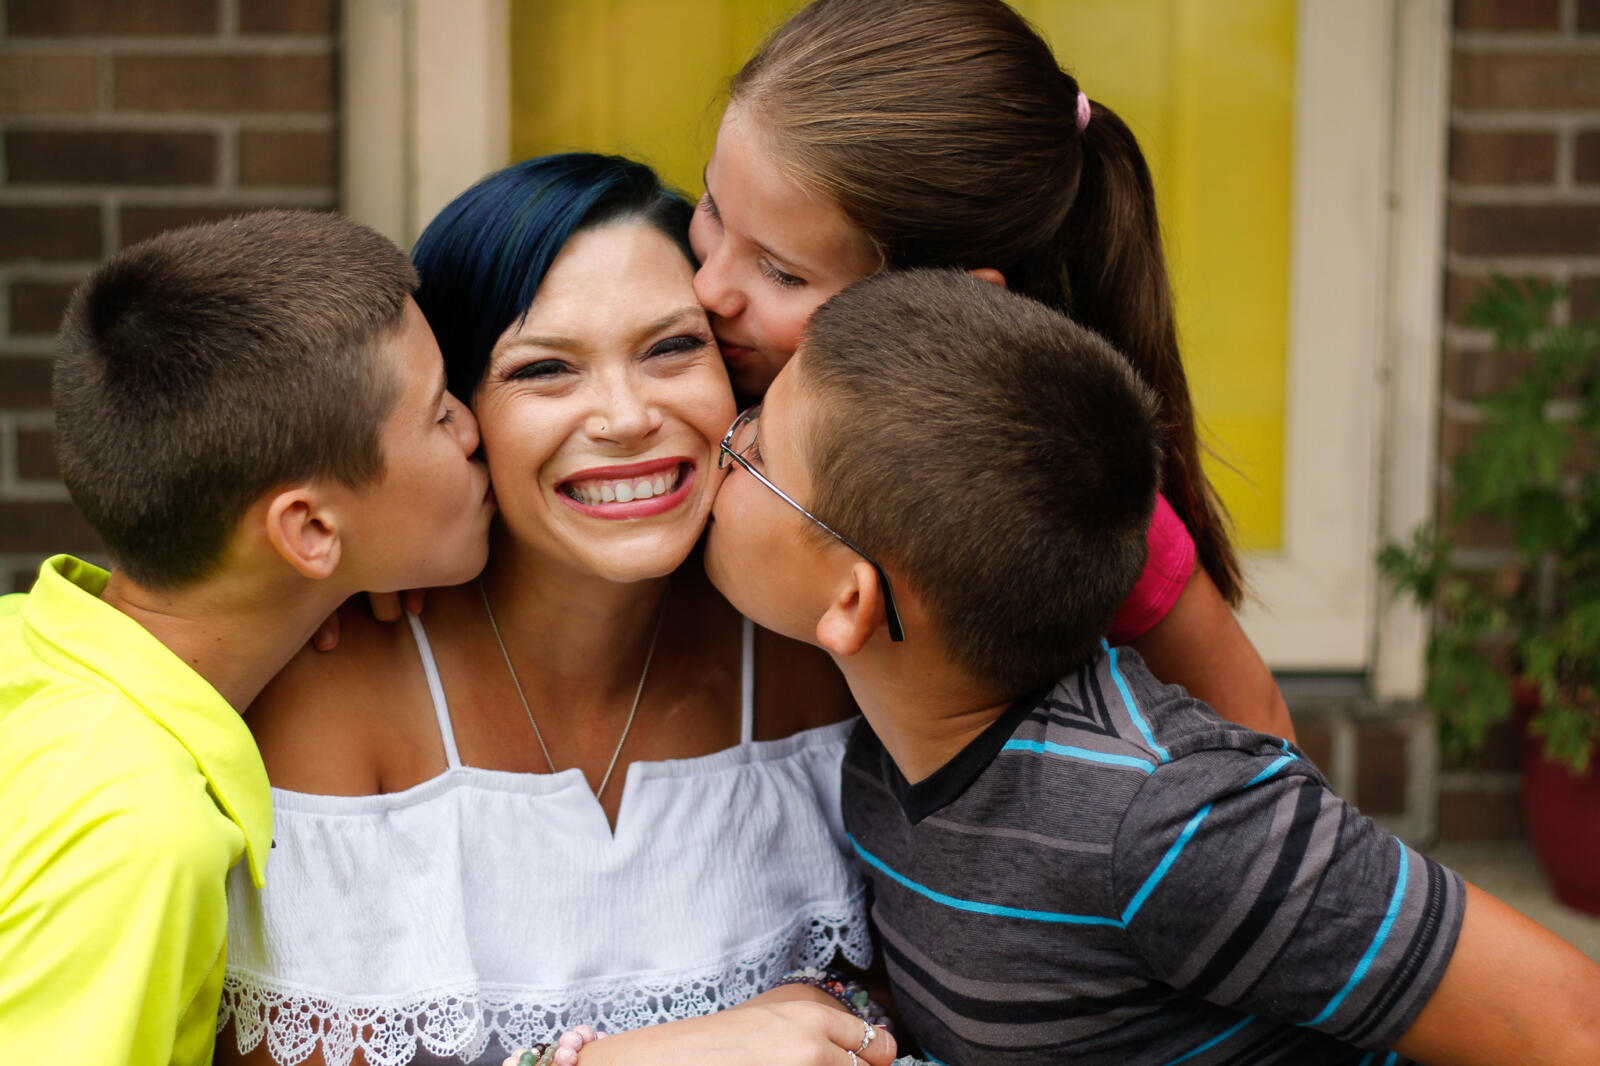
484,910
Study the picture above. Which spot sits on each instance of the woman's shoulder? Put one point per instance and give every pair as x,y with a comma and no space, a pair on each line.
331,721
797,687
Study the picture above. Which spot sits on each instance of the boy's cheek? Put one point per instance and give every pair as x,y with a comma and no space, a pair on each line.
726,529
723,570
735,547
718,479
731,508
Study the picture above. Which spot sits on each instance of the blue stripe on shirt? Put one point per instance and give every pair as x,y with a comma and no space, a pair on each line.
1213,1042
1133,708
1277,764
1047,747
974,906
1164,865
1378,938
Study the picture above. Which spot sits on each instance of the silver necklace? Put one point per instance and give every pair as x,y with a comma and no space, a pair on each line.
637,692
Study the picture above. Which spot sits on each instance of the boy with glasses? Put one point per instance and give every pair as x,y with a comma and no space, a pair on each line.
253,417
1071,861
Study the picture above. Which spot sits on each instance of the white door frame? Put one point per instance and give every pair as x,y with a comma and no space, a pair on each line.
426,106
1371,109
426,112
1413,339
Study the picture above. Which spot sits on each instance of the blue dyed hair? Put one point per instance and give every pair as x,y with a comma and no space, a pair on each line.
483,258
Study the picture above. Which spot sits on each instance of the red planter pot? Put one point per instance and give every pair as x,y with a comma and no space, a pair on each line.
1563,815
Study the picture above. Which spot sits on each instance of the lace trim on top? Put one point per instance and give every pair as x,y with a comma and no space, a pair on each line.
461,1020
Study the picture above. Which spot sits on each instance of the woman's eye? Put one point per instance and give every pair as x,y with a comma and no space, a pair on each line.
709,206
675,345
780,277
539,368
448,417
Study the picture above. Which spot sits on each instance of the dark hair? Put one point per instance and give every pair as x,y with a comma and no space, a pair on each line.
202,367
945,130
1000,458
483,258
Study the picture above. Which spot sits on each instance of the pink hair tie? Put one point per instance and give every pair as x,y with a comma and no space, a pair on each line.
1083,112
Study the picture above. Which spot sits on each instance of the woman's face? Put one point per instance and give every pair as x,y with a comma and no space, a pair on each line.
771,253
601,413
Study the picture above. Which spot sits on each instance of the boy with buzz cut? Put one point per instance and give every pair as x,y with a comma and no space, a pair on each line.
252,415
1070,861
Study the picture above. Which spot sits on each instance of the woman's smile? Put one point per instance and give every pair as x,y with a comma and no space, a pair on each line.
636,490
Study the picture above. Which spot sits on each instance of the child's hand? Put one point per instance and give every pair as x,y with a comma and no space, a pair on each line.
798,1033
385,607
791,1033
782,1033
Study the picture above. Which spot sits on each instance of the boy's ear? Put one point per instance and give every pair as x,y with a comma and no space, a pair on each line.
854,613
989,274
304,531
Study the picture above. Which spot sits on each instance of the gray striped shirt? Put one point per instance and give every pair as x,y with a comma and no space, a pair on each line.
1111,873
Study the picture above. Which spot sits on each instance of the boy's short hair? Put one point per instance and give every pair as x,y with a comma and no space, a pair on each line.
1002,458
202,367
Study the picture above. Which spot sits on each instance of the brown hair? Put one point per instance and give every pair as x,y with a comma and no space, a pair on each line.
998,458
207,365
945,130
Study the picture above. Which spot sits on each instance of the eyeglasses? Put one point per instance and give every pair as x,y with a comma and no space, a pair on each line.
740,436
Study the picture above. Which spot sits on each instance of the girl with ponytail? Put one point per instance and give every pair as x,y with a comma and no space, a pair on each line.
880,134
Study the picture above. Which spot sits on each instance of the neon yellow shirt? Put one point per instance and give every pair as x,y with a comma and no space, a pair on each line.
128,787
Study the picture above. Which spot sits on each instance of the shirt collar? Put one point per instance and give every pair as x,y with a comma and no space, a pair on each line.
946,784
65,610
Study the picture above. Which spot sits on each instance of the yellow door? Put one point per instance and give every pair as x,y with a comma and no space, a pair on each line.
1207,87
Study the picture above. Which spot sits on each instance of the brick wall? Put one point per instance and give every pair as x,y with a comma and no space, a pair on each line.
120,118
1524,200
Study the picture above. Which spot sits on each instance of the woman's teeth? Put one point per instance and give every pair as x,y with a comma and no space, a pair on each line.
626,490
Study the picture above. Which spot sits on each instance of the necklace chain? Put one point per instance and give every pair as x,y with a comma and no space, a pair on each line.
517,684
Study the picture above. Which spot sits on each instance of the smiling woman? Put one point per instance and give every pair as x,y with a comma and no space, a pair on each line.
610,399
585,791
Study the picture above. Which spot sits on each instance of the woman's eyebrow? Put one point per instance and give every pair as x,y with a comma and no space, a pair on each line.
563,343
687,311
529,340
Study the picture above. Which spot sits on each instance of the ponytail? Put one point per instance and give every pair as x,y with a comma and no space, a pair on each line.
946,131
1117,286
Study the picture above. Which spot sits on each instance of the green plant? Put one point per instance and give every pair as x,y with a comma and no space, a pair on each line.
1532,468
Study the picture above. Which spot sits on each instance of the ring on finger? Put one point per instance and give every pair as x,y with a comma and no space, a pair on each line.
866,1037
853,1060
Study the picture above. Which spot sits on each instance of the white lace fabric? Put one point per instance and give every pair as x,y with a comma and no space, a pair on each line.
462,1021
483,905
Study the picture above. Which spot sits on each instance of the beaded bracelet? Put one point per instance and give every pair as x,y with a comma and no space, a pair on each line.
562,1051
855,998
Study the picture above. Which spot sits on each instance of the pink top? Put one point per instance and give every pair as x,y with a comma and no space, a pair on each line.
1166,572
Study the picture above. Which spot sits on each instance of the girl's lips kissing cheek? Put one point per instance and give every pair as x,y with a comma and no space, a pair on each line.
637,490
734,352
